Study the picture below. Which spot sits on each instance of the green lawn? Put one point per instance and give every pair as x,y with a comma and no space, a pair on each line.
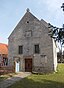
55,80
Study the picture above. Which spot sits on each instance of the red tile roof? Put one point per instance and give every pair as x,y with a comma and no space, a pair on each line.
3,48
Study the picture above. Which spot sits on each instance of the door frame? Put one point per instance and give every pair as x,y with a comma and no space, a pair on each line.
17,68
25,64
16,60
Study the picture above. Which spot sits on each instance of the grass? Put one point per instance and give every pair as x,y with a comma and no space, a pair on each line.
55,80
3,77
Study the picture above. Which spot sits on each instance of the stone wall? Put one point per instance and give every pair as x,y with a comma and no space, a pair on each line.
28,34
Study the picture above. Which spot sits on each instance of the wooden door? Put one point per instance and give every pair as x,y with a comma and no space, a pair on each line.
28,65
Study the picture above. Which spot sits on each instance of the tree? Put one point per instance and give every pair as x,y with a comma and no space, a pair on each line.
58,35
62,6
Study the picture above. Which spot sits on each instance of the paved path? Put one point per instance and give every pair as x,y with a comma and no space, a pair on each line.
6,83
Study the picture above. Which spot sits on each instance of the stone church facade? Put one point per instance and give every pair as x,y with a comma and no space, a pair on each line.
30,47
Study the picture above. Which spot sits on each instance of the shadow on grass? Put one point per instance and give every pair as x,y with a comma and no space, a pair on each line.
43,83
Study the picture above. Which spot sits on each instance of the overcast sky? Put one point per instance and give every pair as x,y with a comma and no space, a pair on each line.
11,11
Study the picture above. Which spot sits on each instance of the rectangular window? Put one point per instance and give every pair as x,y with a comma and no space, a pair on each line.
36,47
20,49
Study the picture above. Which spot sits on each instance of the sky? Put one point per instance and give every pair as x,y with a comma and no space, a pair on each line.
11,11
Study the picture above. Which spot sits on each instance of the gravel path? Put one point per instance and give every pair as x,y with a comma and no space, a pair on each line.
6,83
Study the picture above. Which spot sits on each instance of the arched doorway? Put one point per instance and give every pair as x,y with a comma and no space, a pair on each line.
17,68
17,64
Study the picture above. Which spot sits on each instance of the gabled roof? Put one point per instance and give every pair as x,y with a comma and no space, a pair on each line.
3,48
27,15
